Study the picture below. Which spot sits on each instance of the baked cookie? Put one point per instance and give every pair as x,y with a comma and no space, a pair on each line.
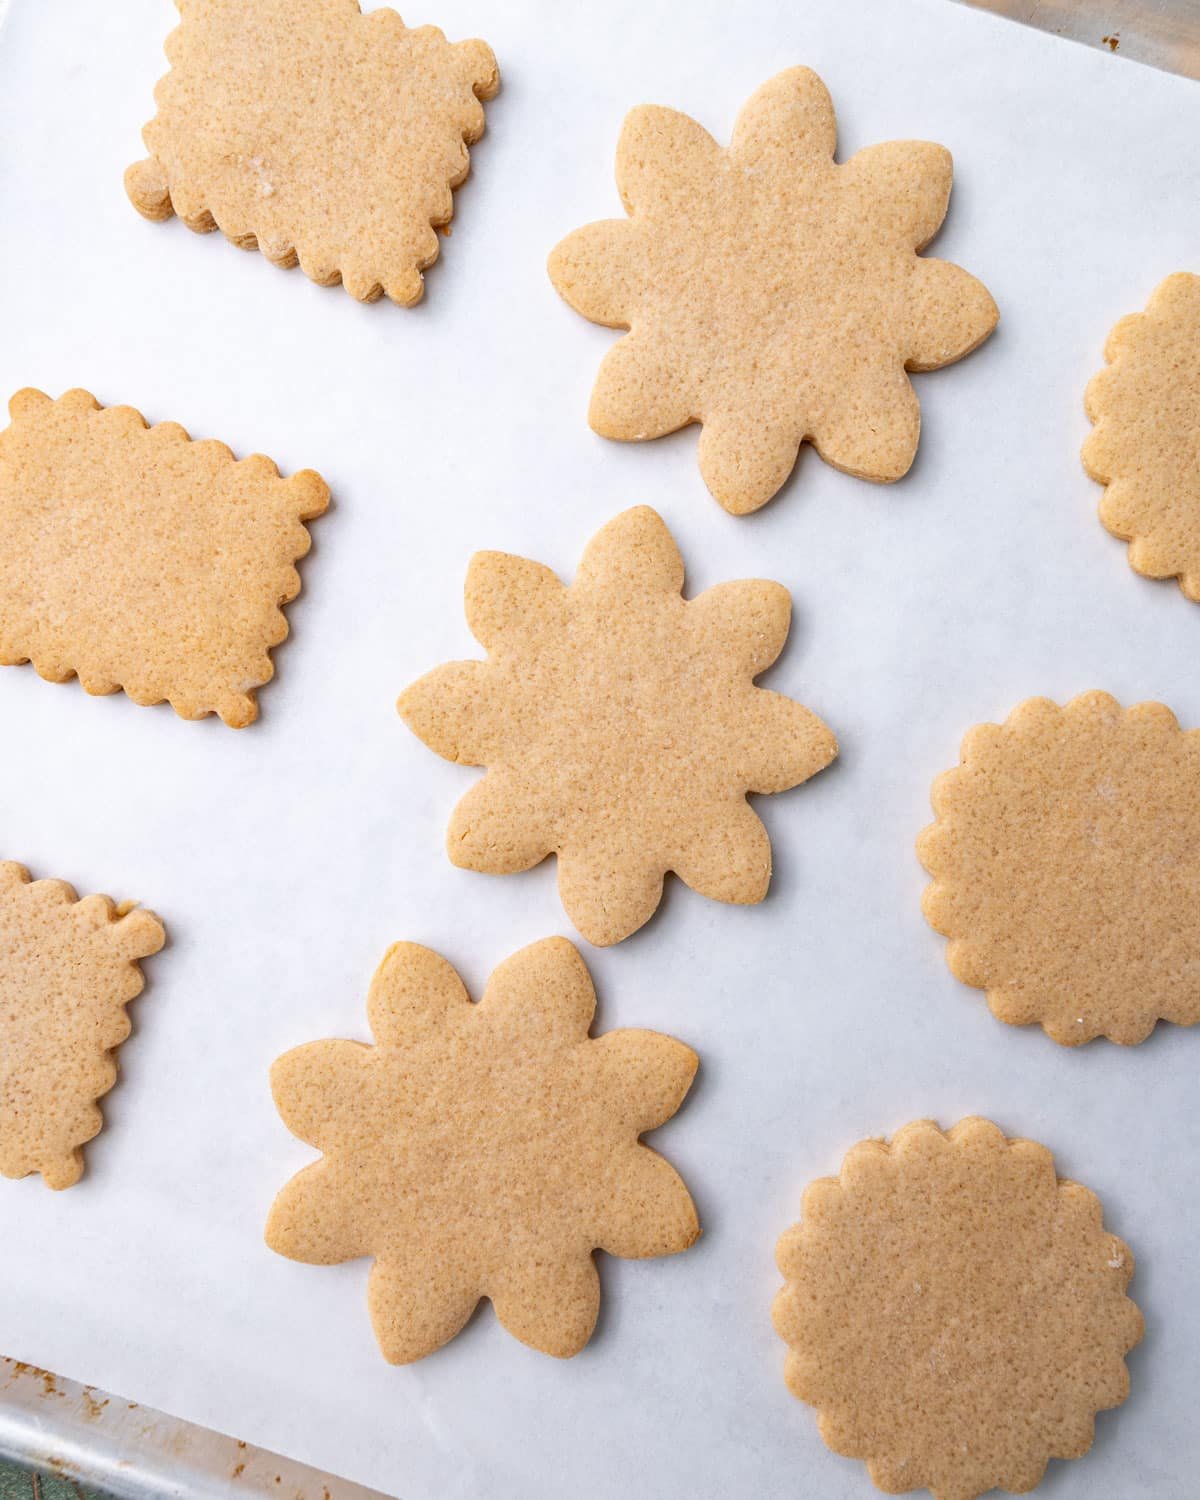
318,135
955,1311
1146,443
621,726
771,294
1066,868
68,968
135,558
482,1150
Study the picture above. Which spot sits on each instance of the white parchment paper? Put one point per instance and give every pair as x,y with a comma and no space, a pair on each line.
286,857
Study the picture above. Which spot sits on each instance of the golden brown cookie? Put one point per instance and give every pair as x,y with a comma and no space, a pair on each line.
318,135
135,558
770,293
1146,443
954,1310
482,1150
1066,868
620,725
68,968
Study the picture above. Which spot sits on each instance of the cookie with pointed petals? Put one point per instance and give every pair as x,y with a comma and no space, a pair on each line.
1145,446
621,726
771,293
68,968
316,134
482,1150
136,558
1066,868
955,1311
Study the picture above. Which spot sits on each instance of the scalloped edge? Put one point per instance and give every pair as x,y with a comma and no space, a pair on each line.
65,1171
933,833
971,1130
1116,347
147,183
239,709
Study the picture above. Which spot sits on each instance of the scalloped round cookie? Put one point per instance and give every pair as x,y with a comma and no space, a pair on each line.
1066,868
1145,446
954,1310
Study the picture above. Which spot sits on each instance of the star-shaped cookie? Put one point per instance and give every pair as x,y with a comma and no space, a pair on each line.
771,293
483,1150
620,725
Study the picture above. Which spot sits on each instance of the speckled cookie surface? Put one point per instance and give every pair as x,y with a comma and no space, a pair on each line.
771,294
1145,447
135,558
67,970
316,134
482,1150
621,726
955,1310
1066,867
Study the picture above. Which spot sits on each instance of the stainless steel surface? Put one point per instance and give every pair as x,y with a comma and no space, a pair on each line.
1163,33
55,1425
137,1453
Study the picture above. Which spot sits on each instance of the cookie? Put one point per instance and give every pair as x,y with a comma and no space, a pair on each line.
482,1150
318,135
68,968
770,293
620,725
135,558
1145,446
1066,868
955,1311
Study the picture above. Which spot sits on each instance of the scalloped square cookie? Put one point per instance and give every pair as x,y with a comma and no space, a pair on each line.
321,136
68,968
136,558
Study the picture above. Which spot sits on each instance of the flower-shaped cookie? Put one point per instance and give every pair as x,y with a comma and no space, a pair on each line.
955,1311
68,968
621,726
1066,867
482,1150
316,134
1145,446
771,294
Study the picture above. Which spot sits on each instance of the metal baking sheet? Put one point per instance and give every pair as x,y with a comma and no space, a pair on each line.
134,1452
1163,33
118,1288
